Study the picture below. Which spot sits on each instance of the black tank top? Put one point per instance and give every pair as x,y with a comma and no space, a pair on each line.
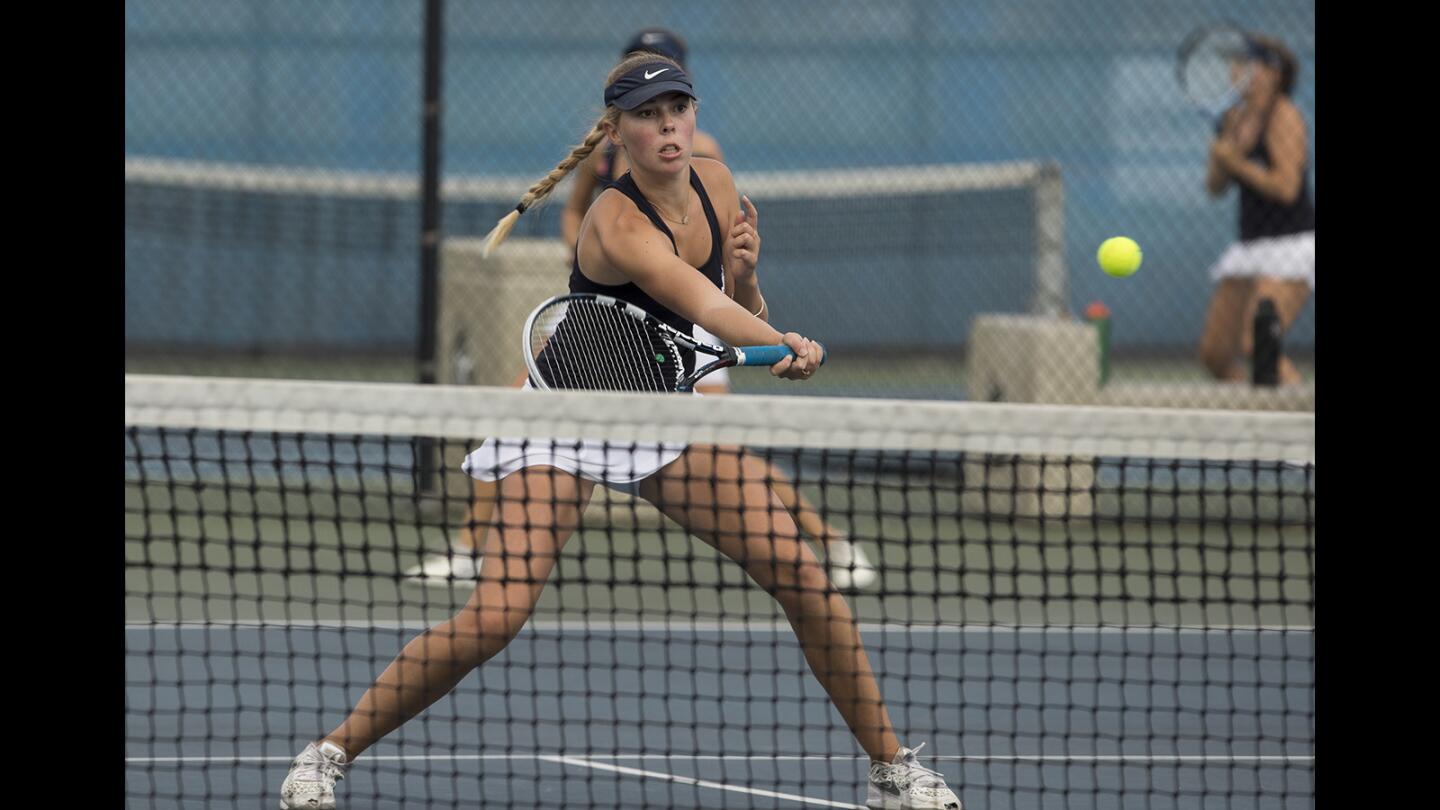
1261,216
629,291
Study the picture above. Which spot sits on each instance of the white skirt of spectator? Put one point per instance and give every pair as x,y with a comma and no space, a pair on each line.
1290,257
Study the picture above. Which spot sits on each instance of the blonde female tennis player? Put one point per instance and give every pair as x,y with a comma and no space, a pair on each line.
850,567
654,240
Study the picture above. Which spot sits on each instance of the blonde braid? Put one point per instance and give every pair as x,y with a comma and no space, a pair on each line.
542,189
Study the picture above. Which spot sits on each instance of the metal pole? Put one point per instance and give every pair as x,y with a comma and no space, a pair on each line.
1051,295
430,214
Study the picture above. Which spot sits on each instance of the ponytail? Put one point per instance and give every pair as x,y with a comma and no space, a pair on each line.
542,189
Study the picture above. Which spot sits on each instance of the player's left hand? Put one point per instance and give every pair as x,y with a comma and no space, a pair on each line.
743,246
804,363
1226,153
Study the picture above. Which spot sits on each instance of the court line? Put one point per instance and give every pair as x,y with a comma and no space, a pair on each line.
1155,759
690,780
727,627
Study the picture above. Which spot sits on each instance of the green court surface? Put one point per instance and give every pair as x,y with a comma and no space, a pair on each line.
244,552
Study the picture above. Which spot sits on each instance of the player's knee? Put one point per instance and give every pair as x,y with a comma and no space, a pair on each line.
799,586
487,631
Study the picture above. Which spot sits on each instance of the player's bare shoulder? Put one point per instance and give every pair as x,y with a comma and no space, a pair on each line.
714,174
720,185
613,215
1287,118
611,228
706,146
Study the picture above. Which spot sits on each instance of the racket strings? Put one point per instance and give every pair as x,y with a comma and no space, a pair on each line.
584,344
1205,71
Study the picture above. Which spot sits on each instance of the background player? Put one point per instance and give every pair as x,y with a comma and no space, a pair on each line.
1261,145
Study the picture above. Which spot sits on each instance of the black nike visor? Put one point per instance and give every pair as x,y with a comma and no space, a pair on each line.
646,82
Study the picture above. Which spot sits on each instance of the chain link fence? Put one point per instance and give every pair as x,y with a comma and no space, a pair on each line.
933,180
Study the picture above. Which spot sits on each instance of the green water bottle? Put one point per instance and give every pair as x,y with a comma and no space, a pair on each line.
1099,314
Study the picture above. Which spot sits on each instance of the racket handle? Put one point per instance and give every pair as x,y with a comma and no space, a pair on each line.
767,355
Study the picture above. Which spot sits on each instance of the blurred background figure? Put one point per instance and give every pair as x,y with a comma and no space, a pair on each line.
1261,146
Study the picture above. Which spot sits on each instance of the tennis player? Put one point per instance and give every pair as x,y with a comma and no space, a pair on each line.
849,565
654,240
1261,146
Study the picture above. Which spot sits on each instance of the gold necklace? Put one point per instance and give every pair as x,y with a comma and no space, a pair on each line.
685,220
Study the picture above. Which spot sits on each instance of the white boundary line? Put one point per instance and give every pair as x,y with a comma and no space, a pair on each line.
1178,759
588,761
717,627
690,780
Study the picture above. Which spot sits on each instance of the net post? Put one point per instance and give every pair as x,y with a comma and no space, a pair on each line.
1050,292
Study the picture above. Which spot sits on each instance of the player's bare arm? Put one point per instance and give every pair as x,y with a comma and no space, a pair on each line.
628,246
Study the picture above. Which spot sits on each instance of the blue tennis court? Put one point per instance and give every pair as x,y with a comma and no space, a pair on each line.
708,716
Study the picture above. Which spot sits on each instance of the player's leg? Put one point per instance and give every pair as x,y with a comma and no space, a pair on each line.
540,508
1289,296
1220,349
478,523
459,564
721,496
848,564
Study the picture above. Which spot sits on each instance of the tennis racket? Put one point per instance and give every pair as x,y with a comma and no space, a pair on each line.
583,340
1213,67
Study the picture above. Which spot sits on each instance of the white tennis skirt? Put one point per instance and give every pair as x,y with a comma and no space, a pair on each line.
608,463
1290,257
619,465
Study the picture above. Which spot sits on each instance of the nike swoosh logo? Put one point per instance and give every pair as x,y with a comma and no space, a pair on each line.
649,75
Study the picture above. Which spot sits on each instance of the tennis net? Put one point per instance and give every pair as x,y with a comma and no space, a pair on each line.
1073,607
235,263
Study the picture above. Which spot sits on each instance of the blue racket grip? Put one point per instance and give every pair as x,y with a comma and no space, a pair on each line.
768,355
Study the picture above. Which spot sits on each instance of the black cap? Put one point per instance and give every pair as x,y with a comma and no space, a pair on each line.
658,40
646,82
1250,48
1258,50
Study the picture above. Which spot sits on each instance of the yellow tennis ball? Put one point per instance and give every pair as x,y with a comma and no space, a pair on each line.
1119,256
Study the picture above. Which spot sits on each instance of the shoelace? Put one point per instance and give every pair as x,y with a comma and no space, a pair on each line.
313,766
915,771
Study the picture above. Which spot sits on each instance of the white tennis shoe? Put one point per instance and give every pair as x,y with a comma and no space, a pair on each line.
310,784
850,569
904,784
458,567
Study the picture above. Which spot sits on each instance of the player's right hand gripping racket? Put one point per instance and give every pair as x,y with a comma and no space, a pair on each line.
1213,67
583,340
